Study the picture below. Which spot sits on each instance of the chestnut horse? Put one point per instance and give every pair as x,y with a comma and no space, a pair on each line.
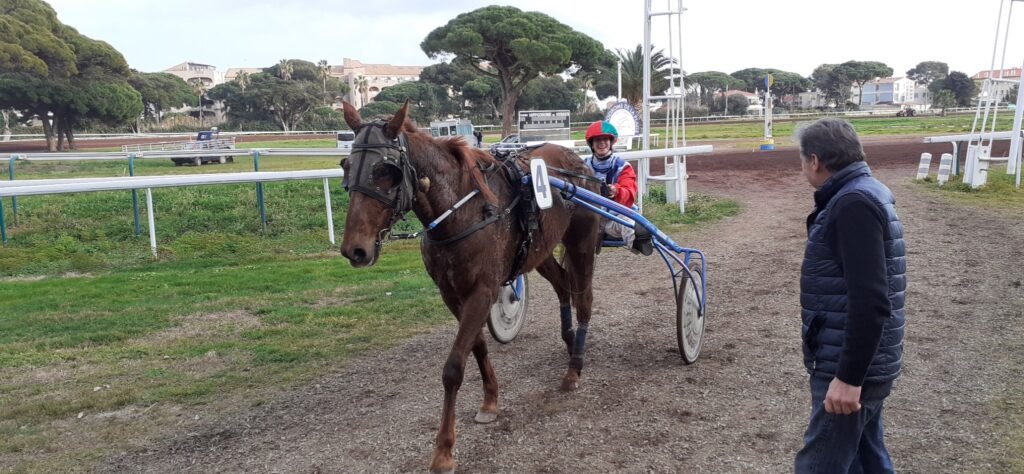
395,168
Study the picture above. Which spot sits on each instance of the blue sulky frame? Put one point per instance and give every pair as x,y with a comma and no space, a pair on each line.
666,247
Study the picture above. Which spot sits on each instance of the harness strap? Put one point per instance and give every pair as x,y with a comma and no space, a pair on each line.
528,221
475,227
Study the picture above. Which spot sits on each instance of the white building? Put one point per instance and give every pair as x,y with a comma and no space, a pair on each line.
889,91
366,80
999,89
754,105
190,71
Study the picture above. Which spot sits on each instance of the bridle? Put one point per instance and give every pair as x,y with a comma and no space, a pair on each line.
366,157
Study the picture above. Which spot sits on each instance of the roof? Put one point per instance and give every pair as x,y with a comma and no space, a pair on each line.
1013,72
886,80
190,66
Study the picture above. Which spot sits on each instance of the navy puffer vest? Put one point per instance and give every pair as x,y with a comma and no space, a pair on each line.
823,292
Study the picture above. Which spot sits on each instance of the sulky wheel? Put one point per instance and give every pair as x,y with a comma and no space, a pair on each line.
508,314
689,320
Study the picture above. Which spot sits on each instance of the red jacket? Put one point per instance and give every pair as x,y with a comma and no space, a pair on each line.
617,171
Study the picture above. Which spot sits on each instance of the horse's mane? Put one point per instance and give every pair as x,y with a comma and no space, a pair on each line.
467,157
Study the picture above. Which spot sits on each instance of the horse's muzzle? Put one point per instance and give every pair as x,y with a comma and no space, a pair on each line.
359,256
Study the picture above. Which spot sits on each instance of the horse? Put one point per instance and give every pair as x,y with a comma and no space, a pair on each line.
470,251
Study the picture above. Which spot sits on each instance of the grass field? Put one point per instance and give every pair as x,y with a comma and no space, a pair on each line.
999,192
92,326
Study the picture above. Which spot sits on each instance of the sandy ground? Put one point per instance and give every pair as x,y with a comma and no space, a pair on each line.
741,408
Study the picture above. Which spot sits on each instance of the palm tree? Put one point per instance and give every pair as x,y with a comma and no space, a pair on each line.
243,81
633,73
199,87
284,69
363,86
325,70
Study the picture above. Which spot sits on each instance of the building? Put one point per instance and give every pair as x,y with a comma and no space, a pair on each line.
1000,88
889,91
816,99
811,100
233,72
754,105
190,71
366,80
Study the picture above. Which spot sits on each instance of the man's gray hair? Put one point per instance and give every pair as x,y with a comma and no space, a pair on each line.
834,142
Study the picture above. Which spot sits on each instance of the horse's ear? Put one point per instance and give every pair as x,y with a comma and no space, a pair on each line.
352,117
395,125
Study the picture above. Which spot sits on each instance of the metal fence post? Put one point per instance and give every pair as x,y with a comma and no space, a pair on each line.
3,226
14,199
135,195
259,190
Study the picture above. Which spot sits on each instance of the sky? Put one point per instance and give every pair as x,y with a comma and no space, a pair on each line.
718,35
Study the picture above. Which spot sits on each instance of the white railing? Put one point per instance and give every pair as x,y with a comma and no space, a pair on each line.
79,185
103,136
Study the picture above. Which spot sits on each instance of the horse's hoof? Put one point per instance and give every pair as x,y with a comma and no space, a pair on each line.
443,469
570,384
485,417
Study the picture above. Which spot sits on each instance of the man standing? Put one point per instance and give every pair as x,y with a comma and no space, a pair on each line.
852,287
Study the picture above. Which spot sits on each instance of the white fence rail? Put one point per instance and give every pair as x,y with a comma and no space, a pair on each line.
65,186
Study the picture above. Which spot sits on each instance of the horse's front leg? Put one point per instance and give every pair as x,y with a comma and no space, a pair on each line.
580,260
472,314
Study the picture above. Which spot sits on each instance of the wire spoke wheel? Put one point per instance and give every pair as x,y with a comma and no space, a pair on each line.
508,314
689,320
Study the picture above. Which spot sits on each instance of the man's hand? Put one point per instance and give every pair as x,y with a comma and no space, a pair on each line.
613,190
842,398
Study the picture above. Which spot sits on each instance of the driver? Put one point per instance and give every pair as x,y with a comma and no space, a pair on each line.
618,183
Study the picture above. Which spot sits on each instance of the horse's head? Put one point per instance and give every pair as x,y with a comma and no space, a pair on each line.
380,181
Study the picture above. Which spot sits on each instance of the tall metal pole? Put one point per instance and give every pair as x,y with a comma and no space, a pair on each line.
647,75
620,80
646,142
1017,143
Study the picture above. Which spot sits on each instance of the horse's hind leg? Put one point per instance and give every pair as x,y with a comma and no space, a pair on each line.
489,409
559,278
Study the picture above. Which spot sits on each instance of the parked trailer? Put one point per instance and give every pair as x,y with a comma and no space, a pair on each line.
205,140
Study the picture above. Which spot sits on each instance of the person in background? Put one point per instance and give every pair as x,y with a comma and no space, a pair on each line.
618,183
479,138
852,289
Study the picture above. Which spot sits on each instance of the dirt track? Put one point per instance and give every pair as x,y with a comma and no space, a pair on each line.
741,408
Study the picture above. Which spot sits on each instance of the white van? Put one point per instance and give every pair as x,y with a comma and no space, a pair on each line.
345,140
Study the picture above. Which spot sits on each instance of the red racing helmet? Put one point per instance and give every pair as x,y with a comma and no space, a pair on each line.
602,128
